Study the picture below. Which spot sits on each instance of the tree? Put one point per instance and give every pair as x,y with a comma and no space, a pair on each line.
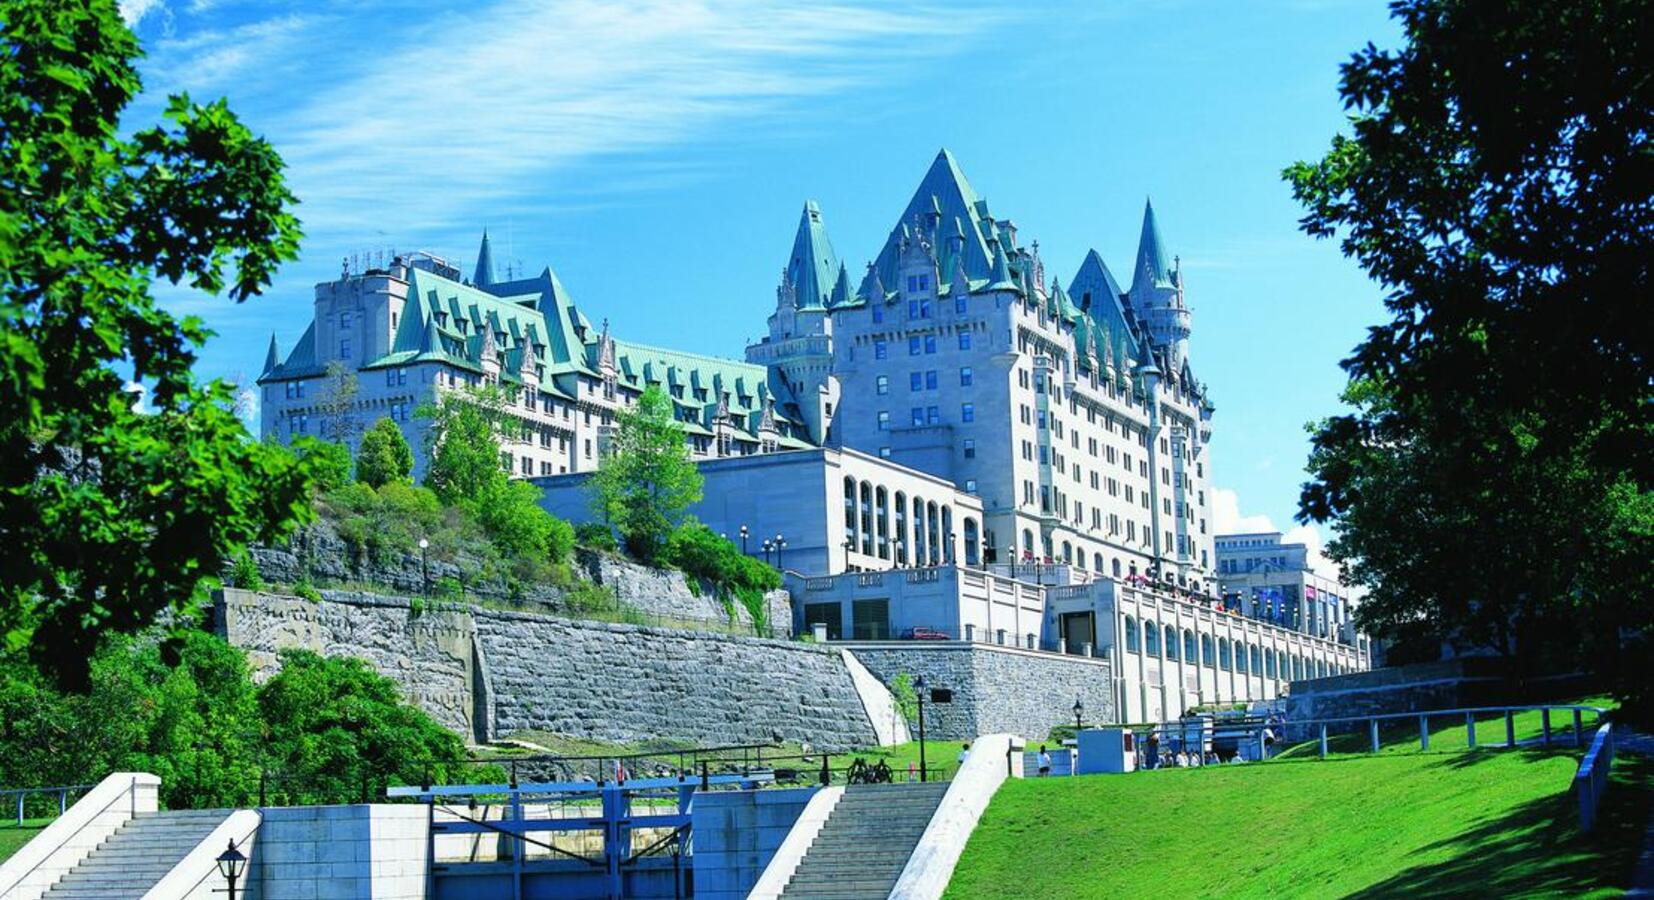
383,456
108,514
1492,486
646,481
336,404
463,444
333,724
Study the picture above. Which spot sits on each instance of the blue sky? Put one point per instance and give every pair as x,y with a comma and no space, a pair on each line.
656,155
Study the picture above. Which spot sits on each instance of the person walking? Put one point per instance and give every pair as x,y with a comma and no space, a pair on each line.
1044,762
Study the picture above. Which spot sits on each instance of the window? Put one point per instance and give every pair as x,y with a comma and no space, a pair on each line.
965,377
1151,639
959,303
970,448
345,320
967,412
884,420
1240,658
913,346
1131,634
1257,660
1225,662
970,485
964,340
882,384
916,381
933,415
528,466
1171,643
930,343
880,350
1206,658
344,347
878,312
884,453
917,283
931,382
1189,646
918,415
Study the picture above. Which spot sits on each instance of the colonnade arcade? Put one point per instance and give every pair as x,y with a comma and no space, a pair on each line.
904,529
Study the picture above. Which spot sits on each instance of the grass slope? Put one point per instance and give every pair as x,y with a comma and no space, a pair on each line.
13,837
1487,823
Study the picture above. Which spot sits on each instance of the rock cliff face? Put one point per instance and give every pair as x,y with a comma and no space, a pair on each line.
663,595
487,673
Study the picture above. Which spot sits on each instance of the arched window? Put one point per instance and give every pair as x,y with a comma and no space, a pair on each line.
1097,563
850,509
1297,668
1269,662
1151,639
901,532
1131,634
866,519
933,538
1189,647
881,504
1067,553
972,543
1257,660
1225,661
1027,543
1240,658
1171,642
1116,568
947,536
1206,651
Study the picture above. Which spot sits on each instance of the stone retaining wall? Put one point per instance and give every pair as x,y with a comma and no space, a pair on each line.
487,673
995,689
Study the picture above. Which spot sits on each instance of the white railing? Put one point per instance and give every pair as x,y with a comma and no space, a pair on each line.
1592,778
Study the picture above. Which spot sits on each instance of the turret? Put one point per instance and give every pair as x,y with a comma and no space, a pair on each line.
484,275
1156,295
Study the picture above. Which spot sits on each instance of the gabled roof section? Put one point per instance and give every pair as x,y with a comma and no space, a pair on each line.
300,363
813,267
749,386
1152,269
947,207
1098,294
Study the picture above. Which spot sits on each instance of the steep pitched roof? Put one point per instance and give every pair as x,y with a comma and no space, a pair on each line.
748,385
946,203
813,266
484,275
300,363
271,359
1100,296
1151,270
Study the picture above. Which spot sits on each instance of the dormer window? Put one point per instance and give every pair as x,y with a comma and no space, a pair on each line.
917,283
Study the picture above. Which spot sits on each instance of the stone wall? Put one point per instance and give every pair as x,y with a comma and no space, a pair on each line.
1448,684
487,673
996,689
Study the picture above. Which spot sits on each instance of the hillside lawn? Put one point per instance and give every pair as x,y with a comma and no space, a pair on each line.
1498,823
13,837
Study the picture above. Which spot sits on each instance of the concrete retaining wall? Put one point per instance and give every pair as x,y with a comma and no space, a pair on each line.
374,852
735,834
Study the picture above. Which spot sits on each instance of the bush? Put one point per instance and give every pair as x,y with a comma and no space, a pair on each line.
383,457
329,462
244,573
596,536
516,524
560,541
702,554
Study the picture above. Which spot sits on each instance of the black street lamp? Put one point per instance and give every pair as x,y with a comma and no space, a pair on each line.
1079,710
848,545
780,544
766,549
424,565
744,540
231,864
919,689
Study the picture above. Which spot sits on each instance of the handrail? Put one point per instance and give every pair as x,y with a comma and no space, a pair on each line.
1592,778
129,794
1599,711
62,791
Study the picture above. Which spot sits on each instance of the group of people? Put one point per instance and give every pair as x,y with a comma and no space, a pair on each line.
1155,756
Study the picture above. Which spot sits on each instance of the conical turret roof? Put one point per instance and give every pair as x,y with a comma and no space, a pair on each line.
484,275
1152,269
813,266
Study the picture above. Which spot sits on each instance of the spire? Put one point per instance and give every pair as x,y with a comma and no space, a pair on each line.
1151,269
873,285
813,263
431,342
484,276
841,287
1001,274
272,358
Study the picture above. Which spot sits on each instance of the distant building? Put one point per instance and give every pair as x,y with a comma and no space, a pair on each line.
414,328
1263,578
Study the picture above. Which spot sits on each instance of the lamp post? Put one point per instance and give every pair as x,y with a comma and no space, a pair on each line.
1079,710
985,547
766,549
424,565
231,863
919,689
780,544
744,534
848,544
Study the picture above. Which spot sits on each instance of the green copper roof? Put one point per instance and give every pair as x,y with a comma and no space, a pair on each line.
1151,270
697,383
947,207
301,363
484,275
813,267
1099,295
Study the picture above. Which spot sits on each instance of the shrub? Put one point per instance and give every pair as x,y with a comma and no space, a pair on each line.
305,590
329,462
244,573
383,457
595,536
559,541
907,701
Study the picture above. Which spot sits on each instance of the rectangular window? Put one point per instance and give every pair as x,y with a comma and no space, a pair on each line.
918,415
930,343
970,485
934,414
884,452
959,304
930,380
916,381
964,340
882,384
913,346
878,312
965,377
345,320
967,413
884,420
970,448
390,378
880,350
344,347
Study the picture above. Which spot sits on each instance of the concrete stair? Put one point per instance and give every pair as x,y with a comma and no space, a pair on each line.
866,841
137,855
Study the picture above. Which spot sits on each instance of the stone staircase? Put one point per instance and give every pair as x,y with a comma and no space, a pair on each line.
130,861
866,841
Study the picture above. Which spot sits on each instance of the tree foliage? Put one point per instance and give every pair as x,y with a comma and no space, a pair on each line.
1492,485
734,576
108,514
336,403
463,443
383,456
646,481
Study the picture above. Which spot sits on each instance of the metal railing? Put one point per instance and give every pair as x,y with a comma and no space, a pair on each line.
21,797
1592,778
1468,713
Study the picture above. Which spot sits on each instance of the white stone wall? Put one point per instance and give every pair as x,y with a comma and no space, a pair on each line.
61,846
362,852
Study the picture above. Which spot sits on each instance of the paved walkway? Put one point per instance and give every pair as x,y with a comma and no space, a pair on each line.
1642,880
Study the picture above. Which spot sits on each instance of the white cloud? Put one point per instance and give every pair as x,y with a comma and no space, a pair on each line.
133,11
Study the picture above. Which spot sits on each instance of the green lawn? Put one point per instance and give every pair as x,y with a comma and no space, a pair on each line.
12,837
1451,734
1488,823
